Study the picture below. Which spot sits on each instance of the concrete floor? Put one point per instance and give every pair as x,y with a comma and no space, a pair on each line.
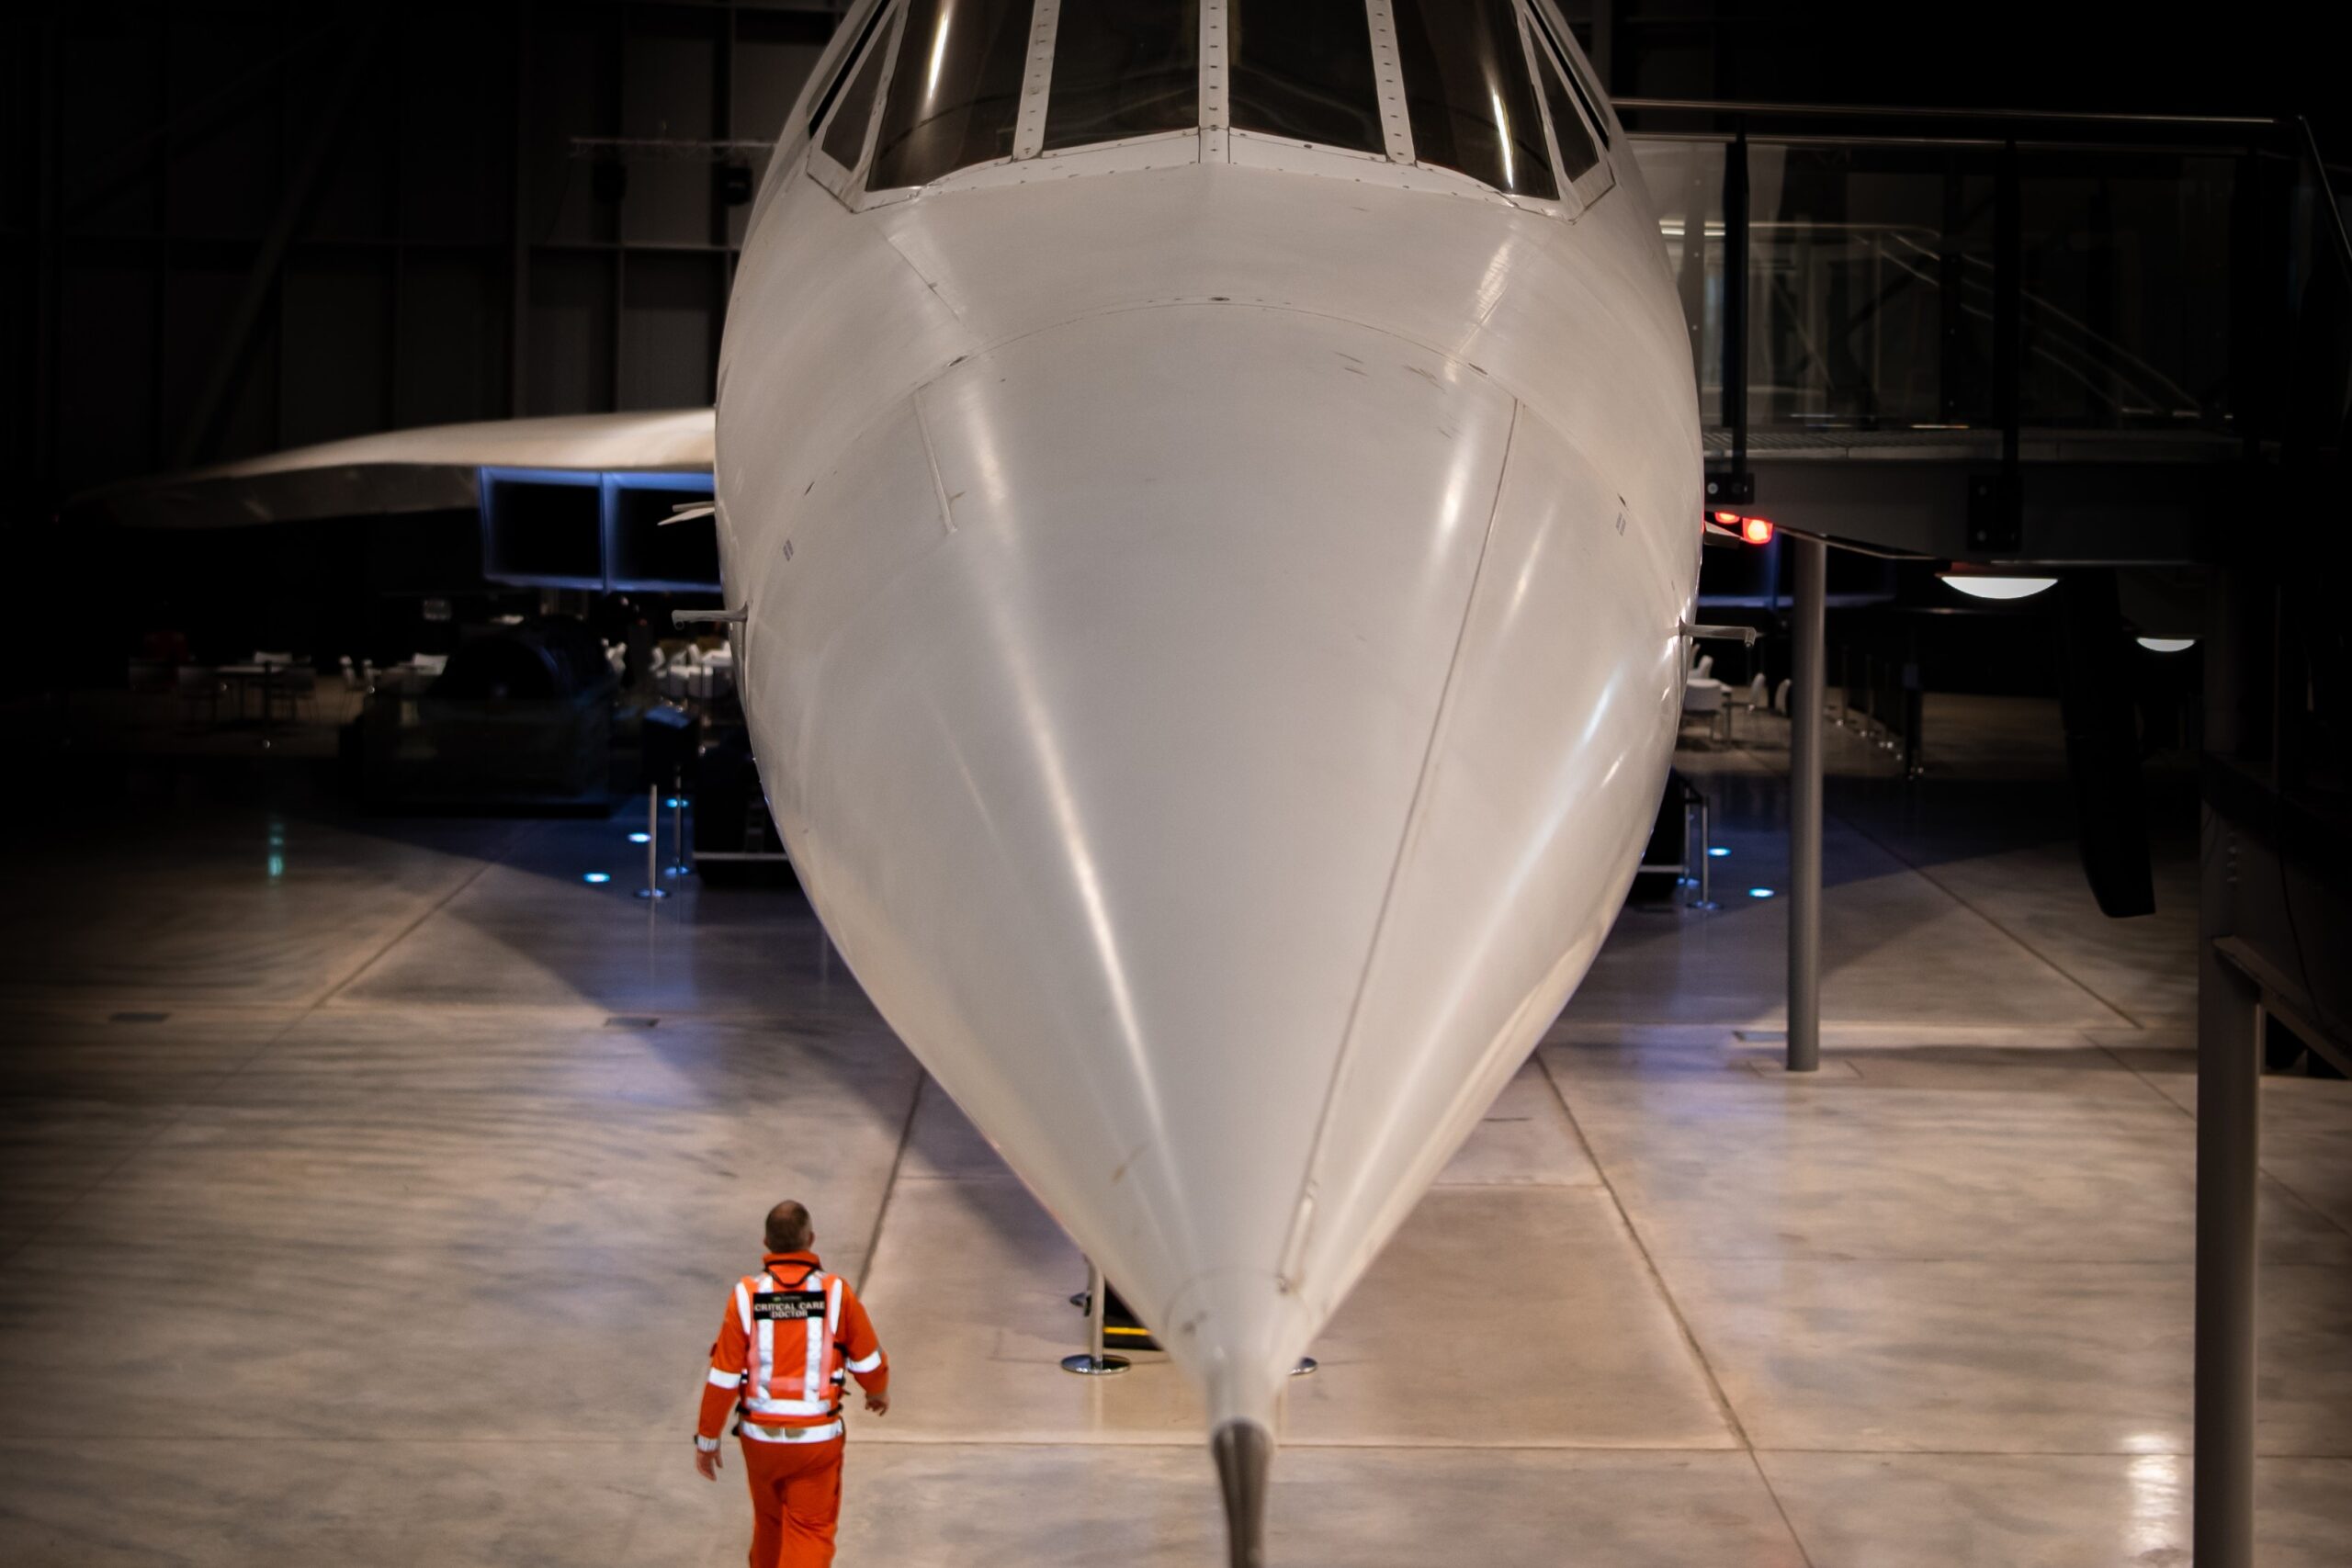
369,1191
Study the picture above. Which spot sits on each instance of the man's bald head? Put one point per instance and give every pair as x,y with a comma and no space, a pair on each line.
788,1228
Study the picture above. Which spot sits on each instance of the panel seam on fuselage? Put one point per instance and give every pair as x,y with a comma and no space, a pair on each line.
931,456
1294,1243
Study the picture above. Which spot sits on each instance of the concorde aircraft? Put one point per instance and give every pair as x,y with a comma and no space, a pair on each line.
1209,498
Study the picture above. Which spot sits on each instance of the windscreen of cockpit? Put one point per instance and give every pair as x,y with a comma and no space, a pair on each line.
1303,69
1468,95
955,94
1123,68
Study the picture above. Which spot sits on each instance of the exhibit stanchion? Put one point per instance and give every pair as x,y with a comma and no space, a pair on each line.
1095,1363
1706,899
679,865
653,888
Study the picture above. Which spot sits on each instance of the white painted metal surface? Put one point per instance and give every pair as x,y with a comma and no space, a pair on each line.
1211,696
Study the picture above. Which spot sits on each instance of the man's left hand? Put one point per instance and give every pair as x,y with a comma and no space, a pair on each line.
706,1465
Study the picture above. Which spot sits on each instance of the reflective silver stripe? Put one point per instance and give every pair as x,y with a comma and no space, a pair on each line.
759,1434
743,1303
833,1307
707,1445
760,1405
812,1373
868,1364
717,1379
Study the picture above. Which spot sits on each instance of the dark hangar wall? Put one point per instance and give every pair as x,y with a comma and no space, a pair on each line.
232,228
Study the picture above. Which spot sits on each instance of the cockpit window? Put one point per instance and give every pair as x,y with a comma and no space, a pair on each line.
1471,84
1303,69
1576,78
1577,155
1468,94
840,72
845,137
955,96
1124,68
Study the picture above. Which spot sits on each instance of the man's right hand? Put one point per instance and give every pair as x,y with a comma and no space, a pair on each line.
706,1465
879,1403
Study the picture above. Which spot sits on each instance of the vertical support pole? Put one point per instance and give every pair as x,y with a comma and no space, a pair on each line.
518,239
2229,1065
653,888
48,259
1736,307
1951,282
2229,1081
1806,697
678,866
2009,324
1095,1363
1706,856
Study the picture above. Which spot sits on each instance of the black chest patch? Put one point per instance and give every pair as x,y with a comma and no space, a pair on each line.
788,1307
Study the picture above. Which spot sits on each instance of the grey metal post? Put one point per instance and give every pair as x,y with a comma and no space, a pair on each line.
653,888
1806,695
1095,1363
1706,856
2229,1082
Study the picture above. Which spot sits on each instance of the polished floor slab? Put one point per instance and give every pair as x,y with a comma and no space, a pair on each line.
377,1205
2048,1511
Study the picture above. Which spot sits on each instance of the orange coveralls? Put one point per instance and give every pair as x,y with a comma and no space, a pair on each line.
791,1333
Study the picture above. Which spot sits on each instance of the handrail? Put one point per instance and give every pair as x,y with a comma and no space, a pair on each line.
1915,111
2334,208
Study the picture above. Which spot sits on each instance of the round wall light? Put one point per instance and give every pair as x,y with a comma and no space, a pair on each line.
1992,583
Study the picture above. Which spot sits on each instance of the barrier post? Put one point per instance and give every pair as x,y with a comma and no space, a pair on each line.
1095,1363
653,888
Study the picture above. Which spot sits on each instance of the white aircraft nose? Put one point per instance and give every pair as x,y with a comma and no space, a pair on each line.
1108,693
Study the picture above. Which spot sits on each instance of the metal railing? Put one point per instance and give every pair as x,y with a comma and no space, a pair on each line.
1897,270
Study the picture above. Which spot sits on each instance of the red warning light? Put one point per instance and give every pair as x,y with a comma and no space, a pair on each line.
1751,530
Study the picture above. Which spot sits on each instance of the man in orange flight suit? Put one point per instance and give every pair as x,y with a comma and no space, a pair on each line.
791,1333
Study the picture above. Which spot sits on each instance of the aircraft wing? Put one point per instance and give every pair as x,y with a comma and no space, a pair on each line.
426,469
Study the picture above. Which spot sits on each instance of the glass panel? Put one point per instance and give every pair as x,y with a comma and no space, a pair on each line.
1467,92
1577,155
845,138
1576,77
1686,181
1303,69
841,75
1124,68
2126,306
956,93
